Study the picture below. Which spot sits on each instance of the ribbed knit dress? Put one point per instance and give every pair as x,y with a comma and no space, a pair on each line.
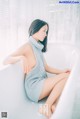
34,80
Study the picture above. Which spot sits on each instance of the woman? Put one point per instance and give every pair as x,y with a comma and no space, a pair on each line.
37,84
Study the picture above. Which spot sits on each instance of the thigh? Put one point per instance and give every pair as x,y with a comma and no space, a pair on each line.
50,83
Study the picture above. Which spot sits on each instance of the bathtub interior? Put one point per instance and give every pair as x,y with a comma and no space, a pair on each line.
61,55
13,99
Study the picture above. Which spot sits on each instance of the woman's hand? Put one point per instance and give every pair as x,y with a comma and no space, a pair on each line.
25,65
67,71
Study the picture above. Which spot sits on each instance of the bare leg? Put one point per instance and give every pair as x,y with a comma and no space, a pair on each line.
55,103
53,107
50,83
54,95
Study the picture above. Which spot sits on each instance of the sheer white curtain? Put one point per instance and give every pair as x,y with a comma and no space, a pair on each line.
64,22
17,15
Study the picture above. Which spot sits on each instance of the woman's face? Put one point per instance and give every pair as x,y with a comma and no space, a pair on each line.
41,34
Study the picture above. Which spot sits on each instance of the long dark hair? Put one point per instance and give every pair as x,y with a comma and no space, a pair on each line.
35,26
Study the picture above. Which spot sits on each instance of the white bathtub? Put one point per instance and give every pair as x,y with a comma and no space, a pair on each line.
13,99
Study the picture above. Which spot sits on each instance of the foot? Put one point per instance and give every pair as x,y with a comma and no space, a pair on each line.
45,110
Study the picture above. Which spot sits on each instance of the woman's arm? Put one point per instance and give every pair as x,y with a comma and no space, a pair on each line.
20,54
12,59
17,55
54,70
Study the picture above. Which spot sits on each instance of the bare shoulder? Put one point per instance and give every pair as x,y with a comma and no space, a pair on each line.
24,49
27,48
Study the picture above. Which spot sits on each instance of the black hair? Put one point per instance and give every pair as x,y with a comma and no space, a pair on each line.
35,26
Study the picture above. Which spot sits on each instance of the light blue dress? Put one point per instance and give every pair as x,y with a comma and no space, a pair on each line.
34,80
